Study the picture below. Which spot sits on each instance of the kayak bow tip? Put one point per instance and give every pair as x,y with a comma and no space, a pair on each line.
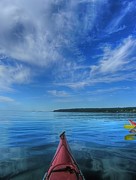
62,135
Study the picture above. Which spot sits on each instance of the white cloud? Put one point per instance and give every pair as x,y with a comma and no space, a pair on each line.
25,33
114,65
6,99
36,32
57,93
74,85
114,59
109,90
10,75
116,24
47,31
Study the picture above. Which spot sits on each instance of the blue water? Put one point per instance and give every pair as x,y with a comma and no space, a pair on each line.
97,140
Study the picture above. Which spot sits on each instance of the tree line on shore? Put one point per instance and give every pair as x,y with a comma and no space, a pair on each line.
100,110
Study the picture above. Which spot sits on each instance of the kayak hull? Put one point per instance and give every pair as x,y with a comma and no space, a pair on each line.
63,165
130,137
129,126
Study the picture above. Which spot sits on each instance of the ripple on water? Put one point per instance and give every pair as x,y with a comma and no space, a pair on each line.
29,140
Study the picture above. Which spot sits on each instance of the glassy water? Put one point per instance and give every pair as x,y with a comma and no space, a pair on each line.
28,141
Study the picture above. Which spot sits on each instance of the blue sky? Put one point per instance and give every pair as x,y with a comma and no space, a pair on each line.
63,54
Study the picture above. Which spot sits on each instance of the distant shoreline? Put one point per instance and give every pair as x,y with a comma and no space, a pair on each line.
100,110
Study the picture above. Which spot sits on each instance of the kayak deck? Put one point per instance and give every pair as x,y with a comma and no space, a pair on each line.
132,122
63,165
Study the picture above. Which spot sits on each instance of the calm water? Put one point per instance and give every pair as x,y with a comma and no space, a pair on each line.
29,140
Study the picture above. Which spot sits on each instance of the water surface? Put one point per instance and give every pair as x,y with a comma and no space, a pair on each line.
29,140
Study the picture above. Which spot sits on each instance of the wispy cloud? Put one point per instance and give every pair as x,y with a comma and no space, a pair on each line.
5,99
57,93
109,90
116,23
114,59
114,65
9,75
40,32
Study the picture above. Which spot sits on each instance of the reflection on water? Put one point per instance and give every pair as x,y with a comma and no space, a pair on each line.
29,141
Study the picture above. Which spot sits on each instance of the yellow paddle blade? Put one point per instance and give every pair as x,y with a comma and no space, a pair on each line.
129,126
130,137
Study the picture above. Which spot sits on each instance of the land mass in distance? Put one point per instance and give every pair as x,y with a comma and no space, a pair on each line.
100,110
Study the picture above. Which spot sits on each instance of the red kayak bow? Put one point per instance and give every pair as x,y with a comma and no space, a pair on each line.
132,122
63,165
